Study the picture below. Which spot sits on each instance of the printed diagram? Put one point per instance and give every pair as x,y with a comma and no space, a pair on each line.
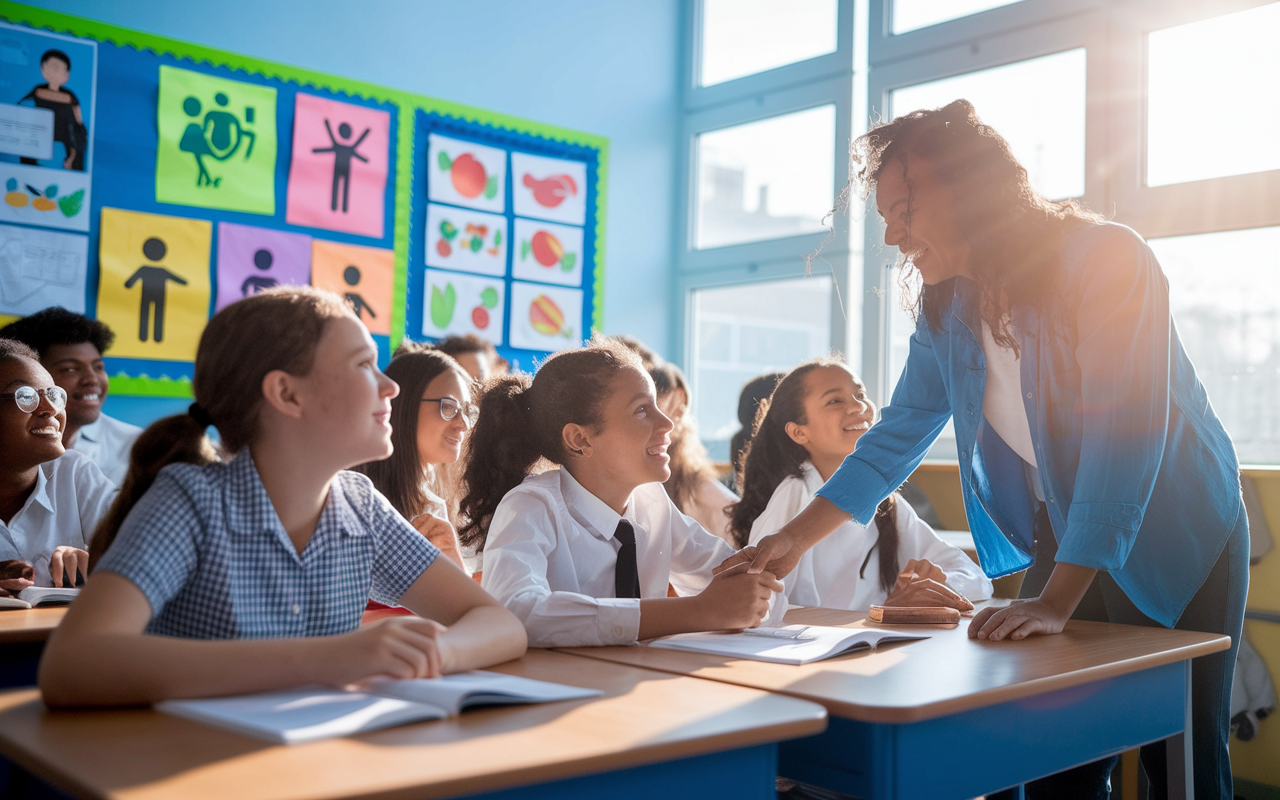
342,155
218,136
549,188
466,174
155,282
340,165
465,240
548,253
462,304
40,268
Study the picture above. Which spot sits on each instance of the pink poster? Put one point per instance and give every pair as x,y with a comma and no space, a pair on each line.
251,260
338,178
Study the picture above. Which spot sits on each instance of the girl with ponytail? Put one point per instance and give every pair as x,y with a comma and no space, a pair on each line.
803,432
564,496
252,574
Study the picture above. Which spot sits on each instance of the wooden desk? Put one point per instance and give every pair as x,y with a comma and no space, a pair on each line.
951,717
651,735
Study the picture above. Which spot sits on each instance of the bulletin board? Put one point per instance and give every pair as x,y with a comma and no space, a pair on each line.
149,183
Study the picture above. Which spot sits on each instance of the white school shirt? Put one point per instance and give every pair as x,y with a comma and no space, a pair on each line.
70,496
550,557
707,507
107,442
827,575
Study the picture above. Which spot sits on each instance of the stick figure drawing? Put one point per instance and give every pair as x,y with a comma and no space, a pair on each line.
342,155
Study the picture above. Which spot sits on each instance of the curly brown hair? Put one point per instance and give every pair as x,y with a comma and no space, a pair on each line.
1013,231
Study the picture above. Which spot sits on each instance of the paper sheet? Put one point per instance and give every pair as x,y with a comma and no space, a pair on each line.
217,146
470,241
547,253
545,317
363,276
153,290
549,188
26,132
338,176
39,269
462,304
52,198
251,260
466,174
47,99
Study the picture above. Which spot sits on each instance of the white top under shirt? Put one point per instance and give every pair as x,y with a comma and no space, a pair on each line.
70,496
1002,403
827,574
107,442
550,557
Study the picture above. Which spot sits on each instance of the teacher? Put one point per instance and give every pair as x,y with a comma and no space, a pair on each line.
1089,454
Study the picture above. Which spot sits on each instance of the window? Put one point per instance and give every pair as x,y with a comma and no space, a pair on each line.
1224,291
910,15
743,37
742,331
765,180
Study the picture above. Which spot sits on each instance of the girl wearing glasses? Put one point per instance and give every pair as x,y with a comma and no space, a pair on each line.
253,574
50,498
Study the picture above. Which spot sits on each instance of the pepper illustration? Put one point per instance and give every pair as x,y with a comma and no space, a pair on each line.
480,314
547,318
551,191
468,176
442,304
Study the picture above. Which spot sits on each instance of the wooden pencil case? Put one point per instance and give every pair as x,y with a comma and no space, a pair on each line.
915,615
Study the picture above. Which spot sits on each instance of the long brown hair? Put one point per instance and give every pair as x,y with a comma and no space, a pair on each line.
1013,231
772,456
690,464
400,476
522,420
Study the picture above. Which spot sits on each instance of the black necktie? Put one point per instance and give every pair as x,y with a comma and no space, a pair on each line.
626,575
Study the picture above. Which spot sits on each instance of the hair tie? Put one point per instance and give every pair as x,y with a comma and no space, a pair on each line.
197,412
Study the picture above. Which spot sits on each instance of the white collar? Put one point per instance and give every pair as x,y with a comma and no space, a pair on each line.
598,517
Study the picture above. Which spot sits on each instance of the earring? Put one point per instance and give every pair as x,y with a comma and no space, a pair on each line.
575,450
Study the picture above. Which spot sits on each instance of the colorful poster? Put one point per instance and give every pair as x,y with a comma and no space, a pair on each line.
547,252
39,269
363,276
251,260
549,188
217,146
153,289
47,100
466,174
545,317
53,198
338,176
462,304
466,240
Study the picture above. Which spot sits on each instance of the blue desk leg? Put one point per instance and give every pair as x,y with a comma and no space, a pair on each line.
1178,754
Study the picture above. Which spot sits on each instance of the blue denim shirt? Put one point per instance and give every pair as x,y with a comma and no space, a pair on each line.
1139,476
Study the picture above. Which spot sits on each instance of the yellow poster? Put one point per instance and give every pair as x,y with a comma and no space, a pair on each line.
153,290
363,276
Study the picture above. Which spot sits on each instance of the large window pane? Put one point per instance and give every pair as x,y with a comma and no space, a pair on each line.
1037,105
1224,290
765,179
743,37
908,15
740,332
1213,97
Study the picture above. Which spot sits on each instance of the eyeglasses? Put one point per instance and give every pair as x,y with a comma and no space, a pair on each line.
449,409
28,398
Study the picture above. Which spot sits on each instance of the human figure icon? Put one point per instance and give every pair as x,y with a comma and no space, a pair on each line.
154,287
193,142
218,135
358,305
342,155
253,284
68,119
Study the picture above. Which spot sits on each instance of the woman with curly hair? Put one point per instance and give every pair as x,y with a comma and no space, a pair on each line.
1089,453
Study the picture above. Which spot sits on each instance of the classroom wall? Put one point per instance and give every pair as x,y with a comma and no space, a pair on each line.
608,68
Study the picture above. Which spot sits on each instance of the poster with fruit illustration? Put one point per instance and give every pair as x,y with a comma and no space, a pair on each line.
549,188
547,252
462,304
466,174
45,197
40,269
545,318
471,241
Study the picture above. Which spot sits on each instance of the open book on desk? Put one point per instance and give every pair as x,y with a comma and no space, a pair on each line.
792,644
309,713
36,596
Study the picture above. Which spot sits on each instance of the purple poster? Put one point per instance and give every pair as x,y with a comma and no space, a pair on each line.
251,260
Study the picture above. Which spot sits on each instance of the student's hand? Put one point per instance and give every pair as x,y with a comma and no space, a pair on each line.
777,553
71,560
921,568
15,575
440,533
398,647
915,591
1016,621
737,599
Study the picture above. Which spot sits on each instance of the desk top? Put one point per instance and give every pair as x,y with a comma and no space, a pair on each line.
645,717
945,674
29,624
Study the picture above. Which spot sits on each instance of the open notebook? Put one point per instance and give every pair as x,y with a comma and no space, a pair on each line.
792,644
308,713
34,596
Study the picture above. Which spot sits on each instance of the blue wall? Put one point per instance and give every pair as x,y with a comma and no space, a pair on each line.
607,67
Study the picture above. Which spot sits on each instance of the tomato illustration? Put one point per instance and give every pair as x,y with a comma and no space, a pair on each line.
546,249
468,176
480,317
443,248
546,317
551,191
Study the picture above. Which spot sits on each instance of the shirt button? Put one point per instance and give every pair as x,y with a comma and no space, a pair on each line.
1028,395
297,609
964,453
617,630
1050,499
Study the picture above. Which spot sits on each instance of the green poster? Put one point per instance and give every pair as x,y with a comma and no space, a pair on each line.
217,144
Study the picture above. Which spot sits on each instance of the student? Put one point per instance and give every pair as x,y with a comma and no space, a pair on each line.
804,431
71,347
583,552
269,558
430,420
50,499
477,356
694,485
